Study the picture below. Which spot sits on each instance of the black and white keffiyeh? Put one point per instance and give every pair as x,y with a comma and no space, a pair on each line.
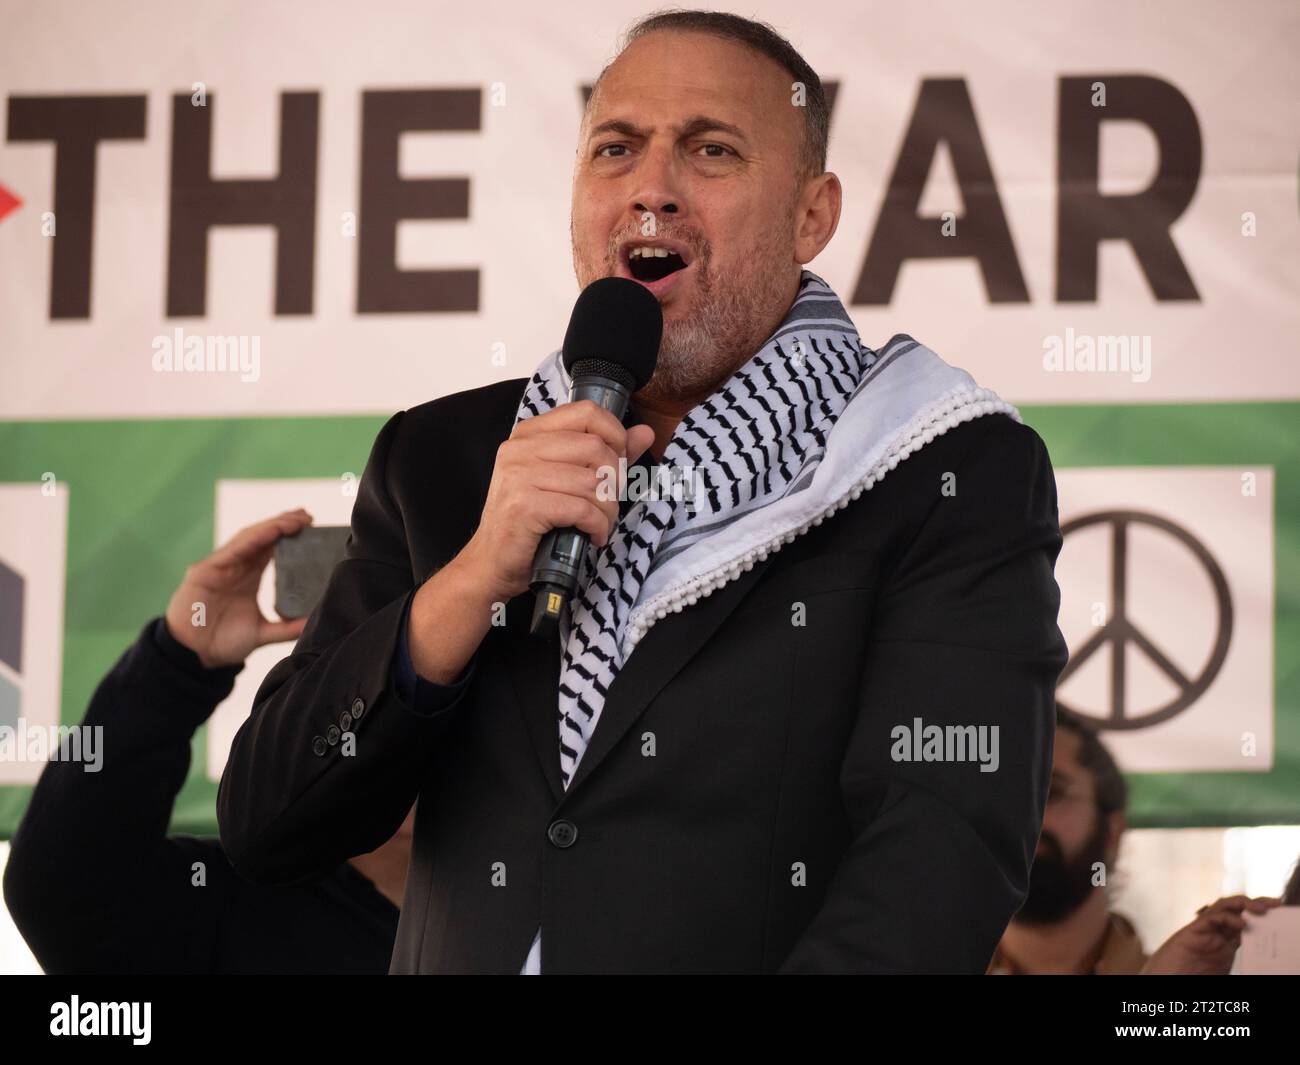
766,470
758,438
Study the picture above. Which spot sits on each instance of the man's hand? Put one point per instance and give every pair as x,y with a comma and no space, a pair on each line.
1206,946
547,476
226,584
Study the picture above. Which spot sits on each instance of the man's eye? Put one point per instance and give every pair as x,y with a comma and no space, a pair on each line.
722,150
610,148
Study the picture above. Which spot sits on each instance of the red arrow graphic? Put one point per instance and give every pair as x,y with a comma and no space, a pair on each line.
8,202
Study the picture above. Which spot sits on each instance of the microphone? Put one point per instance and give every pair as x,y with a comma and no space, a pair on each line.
610,351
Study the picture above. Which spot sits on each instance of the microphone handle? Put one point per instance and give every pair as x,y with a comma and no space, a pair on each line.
558,562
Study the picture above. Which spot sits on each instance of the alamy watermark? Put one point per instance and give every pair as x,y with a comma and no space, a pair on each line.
208,353
681,483
102,1018
919,742
53,743
1086,353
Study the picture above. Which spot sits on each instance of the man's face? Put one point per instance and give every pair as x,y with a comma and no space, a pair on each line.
1075,837
708,127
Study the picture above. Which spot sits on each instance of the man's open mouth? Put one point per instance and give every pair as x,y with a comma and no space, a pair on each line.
649,262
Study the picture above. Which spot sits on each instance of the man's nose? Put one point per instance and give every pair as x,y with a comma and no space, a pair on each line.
656,191
667,207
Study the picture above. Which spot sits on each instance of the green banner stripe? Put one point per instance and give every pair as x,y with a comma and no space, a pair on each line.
141,509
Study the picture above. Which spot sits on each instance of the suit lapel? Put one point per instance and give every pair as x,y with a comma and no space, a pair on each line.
659,656
534,666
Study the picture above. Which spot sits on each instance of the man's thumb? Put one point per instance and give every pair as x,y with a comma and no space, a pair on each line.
277,631
639,437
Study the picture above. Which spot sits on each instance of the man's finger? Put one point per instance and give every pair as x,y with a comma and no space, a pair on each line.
234,573
248,542
1233,903
1224,921
639,437
279,631
581,417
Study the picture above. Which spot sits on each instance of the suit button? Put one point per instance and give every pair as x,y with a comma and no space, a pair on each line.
358,708
562,833
319,746
332,735
345,721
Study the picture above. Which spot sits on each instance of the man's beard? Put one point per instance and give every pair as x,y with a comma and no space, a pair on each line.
1058,887
699,352
728,321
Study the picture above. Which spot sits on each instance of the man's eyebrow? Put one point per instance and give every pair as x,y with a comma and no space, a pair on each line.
704,124
618,125
691,127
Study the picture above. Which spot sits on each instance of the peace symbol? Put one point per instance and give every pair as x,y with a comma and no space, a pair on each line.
1120,631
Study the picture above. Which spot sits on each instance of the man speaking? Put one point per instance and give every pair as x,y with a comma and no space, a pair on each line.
798,722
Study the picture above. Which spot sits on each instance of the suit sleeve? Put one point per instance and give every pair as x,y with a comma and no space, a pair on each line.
965,635
329,762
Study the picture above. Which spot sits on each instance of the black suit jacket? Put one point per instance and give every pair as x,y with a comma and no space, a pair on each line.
738,808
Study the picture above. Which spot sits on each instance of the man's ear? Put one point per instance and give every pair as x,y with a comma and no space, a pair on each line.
816,216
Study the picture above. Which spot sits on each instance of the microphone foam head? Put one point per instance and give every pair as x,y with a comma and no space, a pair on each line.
616,321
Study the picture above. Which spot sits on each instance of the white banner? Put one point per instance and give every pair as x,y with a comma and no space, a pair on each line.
1201,104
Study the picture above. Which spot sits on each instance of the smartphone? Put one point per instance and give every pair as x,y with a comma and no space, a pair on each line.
303,564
